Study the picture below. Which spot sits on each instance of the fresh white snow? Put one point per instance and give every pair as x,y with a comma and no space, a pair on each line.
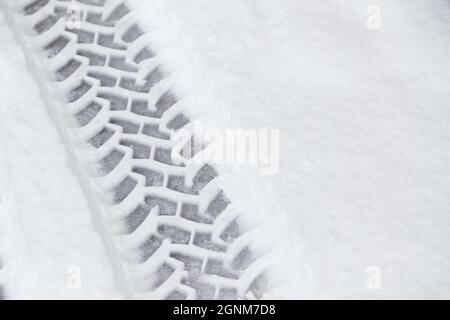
50,247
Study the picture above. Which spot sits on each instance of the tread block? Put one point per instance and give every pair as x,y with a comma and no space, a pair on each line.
150,246
118,13
190,212
83,36
77,92
101,137
176,183
175,234
203,177
152,178
136,217
152,78
161,275
176,295
259,286
107,40
140,107
108,163
55,47
178,122
164,103
166,207
119,63
203,240
214,266
86,115
163,155
130,84
204,291
243,259
97,3
217,205
152,130
123,189
191,148
105,79
95,59
45,24
60,11
231,232
144,54
140,151
132,33
191,264
34,7
116,101
126,125
97,18
67,70
228,294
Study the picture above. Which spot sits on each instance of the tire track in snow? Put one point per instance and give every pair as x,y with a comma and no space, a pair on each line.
169,226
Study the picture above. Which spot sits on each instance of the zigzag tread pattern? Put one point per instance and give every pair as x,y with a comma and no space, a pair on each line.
176,234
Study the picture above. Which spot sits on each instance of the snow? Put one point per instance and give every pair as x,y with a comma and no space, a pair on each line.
359,206
50,246
363,114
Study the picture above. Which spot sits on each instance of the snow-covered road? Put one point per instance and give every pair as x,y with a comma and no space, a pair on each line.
359,207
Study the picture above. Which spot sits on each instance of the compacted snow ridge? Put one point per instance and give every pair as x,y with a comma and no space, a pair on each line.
170,227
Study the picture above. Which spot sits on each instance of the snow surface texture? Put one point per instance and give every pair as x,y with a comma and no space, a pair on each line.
170,229
363,188
46,230
359,208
